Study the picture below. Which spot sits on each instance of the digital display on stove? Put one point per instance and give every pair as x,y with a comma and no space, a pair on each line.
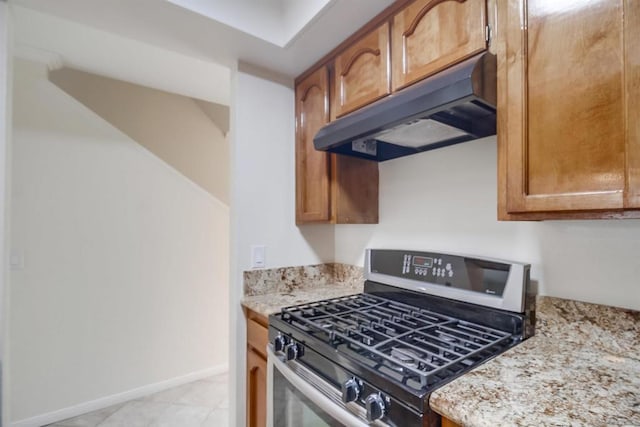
421,261
452,271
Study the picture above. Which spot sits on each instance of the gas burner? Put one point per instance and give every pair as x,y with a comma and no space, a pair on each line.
406,356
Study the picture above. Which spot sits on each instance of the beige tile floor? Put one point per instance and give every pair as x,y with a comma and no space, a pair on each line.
203,403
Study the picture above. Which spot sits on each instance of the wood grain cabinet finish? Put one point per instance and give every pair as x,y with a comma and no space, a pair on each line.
312,166
329,188
448,423
256,390
257,338
568,109
431,35
354,190
362,72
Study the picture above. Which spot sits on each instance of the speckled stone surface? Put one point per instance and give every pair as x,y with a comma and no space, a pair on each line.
272,303
289,279
581,369
267,291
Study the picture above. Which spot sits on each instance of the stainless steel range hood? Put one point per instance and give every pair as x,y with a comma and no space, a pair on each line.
453,106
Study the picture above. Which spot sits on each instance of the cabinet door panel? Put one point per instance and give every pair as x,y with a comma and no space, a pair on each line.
632,77
312,167
362,72
256,390
565,97
430,35
257,337
355,190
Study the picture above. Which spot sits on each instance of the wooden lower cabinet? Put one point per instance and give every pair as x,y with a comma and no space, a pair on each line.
257,338
256,389
446,422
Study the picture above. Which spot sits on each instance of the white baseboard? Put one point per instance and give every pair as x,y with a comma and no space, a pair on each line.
103,402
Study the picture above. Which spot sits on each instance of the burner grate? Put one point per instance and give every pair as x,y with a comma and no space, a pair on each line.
417,347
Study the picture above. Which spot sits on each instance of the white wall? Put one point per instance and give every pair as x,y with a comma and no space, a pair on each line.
5,131
446,200
263,198
124,282
173,127
110,53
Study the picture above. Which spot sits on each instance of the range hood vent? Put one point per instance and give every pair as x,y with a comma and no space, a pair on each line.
453,106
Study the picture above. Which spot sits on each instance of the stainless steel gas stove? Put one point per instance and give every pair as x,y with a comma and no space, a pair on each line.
374,358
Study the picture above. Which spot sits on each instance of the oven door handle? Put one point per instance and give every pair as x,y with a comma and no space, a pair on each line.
321,393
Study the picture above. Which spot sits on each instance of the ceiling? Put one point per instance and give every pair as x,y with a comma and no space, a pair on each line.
186,46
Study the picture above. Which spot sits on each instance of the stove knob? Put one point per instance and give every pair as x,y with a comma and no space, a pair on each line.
279,342
376,408
292,351
351,390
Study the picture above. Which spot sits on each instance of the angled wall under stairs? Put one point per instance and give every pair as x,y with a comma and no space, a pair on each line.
187,134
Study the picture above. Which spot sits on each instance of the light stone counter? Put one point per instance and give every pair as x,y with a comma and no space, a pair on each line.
581,369
268,291
272,303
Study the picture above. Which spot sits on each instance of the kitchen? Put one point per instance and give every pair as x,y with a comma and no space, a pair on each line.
450,199
445,199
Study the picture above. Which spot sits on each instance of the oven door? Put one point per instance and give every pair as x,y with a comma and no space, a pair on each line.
298,397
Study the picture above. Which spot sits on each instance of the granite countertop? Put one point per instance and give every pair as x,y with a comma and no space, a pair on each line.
268,291
582,368
272,303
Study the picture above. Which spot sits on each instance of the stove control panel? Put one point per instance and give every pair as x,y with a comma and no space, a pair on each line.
455,271
425,266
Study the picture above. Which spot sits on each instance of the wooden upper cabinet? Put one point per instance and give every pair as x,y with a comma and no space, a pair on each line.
354,192
329,188
312,167
430,35
632,89
362,72
568,88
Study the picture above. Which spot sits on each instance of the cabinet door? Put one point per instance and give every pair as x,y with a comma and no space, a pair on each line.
430,35
257,333
256,390
312,167
632,86
561,106
362,72
354,190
